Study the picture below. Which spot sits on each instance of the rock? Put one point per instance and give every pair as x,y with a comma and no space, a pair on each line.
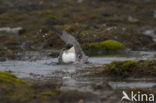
26,45
149,31
9,30
132,19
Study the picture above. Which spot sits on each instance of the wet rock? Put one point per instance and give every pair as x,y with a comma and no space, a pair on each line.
132,19
149,31
9,30
108,46
27,45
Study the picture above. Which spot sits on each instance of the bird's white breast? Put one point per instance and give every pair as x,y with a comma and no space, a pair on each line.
69,56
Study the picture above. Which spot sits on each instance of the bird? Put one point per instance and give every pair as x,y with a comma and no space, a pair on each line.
77,55
69,54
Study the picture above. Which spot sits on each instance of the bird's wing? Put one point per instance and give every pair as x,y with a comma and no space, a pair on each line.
68,38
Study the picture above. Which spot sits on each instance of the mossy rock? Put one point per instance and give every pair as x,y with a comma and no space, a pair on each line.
10,79
105,46
120,68
129,68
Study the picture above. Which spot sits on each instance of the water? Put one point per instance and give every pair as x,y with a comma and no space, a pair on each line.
47,68
132,85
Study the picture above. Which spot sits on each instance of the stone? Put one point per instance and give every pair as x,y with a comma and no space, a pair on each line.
8,30
149,31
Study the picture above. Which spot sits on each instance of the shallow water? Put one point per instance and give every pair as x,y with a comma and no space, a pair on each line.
132,85
47,68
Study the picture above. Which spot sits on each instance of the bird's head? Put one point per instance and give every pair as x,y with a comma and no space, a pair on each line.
68,46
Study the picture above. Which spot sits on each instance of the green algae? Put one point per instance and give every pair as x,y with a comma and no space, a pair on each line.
105,45
10,79
127,68
53,93
120,68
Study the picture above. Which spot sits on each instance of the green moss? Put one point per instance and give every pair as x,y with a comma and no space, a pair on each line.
120,68
54,93
105,45
10,79
129,68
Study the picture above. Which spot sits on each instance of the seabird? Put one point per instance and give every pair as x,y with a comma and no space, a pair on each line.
70,40
69,55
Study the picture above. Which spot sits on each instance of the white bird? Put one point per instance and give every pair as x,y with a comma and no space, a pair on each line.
76,53
69,54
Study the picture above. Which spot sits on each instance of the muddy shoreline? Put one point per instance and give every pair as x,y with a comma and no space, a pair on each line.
45,73
107,30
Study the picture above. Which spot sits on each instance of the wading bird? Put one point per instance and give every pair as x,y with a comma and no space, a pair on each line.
72,51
